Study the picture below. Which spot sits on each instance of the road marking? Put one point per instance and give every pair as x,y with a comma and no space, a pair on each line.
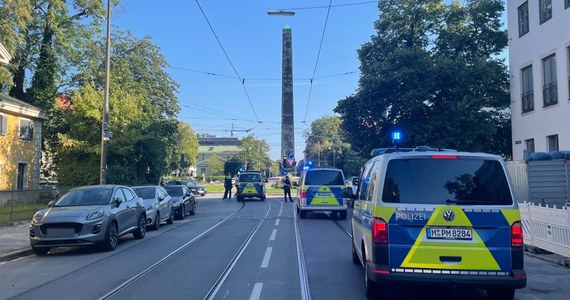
266,257
280,211
256,293
277,222
272,237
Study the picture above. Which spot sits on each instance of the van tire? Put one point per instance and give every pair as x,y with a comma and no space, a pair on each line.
373,289
342,215
503,294
355,258
303,214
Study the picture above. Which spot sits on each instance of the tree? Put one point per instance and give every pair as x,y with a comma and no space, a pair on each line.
254,153
185,151
15,15
432,72
215,165
324,141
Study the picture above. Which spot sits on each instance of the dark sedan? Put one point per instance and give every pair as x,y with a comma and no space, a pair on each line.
183,200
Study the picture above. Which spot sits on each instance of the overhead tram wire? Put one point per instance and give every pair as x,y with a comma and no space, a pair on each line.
215,111
317,61
242,80
202,72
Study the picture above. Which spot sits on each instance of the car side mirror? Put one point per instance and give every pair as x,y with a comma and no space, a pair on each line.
117,201
347,193
51,203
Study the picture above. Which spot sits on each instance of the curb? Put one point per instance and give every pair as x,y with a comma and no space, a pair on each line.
552,258
16,254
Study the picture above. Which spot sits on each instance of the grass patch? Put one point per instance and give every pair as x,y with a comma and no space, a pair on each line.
18,212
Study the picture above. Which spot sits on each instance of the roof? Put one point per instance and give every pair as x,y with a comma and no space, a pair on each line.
18,107
217,149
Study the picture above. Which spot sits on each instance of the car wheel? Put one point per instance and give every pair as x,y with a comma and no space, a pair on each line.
170,219
182,212
111,237
355,258
40,250
342,215
156,224
141,229
503,294
193,211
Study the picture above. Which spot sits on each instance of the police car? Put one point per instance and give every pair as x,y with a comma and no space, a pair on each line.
438,218
320,189
251,184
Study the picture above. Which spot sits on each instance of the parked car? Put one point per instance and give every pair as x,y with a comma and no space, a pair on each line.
183,200
88,215
158,205
198,190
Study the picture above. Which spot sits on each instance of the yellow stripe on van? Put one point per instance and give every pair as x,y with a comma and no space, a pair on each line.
324,200
511,214
384,212
426,253
249,189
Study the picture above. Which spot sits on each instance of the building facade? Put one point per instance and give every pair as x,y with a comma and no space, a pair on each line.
224,148
20,144
539,67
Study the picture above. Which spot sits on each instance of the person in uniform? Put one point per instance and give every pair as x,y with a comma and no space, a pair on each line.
287,188
228,186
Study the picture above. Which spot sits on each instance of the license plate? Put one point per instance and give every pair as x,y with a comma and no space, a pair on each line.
449,233
324,194
60,232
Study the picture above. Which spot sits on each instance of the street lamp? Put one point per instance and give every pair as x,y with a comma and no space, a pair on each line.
105,133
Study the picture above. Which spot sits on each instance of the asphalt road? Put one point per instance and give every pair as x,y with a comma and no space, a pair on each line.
231,250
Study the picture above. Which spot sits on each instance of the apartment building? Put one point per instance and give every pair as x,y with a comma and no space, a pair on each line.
539,64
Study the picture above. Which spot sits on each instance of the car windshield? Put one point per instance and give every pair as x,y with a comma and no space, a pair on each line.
324,177
145,192
249,178
175,191
446,181
85,197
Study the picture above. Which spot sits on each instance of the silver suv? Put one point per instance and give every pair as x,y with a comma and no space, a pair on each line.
89,215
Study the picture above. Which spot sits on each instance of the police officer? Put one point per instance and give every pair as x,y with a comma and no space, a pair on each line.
228,186
287,188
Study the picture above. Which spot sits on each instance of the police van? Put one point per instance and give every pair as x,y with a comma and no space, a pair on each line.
251,184
320,189
438,218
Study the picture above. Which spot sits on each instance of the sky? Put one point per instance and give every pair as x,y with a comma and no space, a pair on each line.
213,98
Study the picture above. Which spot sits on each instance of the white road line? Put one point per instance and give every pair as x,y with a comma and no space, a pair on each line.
272,237
277,222
266,257
280,211
256,293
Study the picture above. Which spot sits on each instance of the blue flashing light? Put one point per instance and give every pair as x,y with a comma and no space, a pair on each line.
310,163
396,136
305,167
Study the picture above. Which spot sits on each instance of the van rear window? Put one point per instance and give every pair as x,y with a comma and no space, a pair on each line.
324,177
462,181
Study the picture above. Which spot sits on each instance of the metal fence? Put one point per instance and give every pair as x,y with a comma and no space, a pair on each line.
20,205
546,227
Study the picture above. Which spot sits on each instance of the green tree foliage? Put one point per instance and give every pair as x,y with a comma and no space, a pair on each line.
324,142
215,165
433,72
254,153
15,15
144,133
185,151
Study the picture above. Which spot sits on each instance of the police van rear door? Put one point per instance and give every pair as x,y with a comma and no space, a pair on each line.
447,214
322,189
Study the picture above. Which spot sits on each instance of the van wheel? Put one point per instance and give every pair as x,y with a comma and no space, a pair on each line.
342,215
504,294
303,214
355,258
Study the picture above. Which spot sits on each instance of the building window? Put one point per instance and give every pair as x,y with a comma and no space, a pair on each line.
523,19
22,176
549,89
527,89
552,141
545,10
529,144
26,129
3,125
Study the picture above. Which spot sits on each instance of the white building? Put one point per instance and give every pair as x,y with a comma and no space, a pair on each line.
539,64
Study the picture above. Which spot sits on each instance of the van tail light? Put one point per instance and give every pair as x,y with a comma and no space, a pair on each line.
517,234
303,194
379,231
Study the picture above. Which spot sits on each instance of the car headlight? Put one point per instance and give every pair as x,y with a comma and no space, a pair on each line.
38,216
95,215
